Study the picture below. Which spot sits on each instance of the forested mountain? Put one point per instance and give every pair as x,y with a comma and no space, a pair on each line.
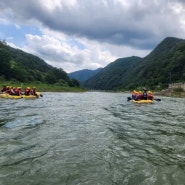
24,67
164,65
113,75
84,74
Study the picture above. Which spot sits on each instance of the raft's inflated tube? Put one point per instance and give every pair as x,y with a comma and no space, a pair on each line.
142,101
8,96
5,95
29,96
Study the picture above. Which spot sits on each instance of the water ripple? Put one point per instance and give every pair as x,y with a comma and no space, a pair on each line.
91,138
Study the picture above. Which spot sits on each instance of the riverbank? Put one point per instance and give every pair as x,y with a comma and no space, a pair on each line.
171,93
43,87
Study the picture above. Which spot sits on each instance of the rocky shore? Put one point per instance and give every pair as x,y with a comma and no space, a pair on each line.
171,93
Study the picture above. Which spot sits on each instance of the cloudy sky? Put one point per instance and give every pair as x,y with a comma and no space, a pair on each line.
88,34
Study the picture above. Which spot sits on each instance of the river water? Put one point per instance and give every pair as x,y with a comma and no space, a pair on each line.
91,138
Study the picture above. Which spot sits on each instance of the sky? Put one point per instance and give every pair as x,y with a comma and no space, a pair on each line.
88,34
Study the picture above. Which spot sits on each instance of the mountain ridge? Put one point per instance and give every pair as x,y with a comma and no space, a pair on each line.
25,67
83,75
155,71
163,65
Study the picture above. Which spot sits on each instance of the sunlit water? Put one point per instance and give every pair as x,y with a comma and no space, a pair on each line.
91,138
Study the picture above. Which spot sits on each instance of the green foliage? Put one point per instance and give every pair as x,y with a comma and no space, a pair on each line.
113,76
42,87
24,67
4,63
74,83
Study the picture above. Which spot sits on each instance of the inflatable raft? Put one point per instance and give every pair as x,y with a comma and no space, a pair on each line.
143,101
7,96
30,96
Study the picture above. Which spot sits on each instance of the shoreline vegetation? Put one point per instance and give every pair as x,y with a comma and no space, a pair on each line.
42,87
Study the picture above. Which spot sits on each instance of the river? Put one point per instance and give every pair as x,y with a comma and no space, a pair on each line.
91,138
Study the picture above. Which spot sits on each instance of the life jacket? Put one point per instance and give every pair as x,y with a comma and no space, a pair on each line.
134,93
140,95
27,92
145,95
17,92
33,92
3,89
150,95
11,92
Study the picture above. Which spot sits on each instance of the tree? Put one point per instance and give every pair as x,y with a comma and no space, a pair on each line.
4,63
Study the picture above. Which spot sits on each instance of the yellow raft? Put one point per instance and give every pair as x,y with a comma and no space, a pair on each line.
7,96
143,101
30,96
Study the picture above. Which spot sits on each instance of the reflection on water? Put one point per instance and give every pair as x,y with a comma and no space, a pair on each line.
91,138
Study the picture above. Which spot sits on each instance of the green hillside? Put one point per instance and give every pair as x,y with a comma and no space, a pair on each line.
114,75
164,65
20,66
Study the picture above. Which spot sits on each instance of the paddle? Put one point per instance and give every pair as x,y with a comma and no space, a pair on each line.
157,99
39,94
129,98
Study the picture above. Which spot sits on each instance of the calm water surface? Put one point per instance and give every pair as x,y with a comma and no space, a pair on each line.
91,138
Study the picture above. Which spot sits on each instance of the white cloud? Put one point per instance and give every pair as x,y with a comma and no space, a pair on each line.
77,34
68,52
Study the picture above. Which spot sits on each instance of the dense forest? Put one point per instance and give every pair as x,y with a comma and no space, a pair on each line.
164,65
113,75
24,67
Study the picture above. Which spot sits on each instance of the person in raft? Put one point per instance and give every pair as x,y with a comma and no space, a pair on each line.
145,94
11,91
33,91
150,95
17,91
134,94
139,95
27,91
3,88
